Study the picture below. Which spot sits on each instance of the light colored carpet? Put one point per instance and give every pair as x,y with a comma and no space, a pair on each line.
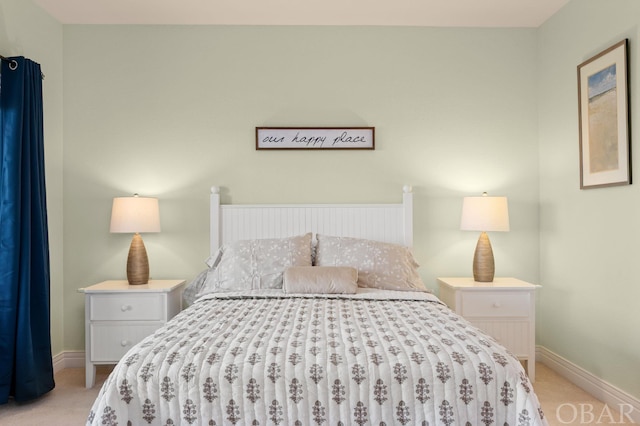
69,403
564,403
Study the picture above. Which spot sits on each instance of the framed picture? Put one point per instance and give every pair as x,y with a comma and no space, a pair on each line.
315,137
603,104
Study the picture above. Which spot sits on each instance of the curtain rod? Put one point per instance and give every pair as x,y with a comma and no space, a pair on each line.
13,64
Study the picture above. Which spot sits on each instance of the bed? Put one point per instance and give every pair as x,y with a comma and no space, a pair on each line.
315,315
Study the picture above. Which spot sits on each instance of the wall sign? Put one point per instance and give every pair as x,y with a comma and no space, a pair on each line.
315,137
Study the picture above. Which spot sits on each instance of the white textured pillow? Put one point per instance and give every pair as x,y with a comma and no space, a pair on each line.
257,264
320,279
380,265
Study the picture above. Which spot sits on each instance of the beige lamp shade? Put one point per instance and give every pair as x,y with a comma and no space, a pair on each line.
484,214
134,215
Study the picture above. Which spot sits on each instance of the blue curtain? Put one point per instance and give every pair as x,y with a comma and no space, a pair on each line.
26,368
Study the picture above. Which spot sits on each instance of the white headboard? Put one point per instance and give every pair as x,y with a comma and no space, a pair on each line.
392,223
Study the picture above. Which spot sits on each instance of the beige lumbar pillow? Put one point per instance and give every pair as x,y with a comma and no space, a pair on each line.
320,279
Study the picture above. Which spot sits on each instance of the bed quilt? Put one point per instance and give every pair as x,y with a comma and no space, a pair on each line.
373,358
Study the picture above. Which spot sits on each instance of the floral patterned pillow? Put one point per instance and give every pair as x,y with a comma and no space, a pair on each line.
257,264
193,289
380,265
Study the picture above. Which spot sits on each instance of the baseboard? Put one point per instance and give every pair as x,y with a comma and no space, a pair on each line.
600,389
68,359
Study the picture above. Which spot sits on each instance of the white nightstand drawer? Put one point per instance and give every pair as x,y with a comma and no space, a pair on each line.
109,342
119,307
495,304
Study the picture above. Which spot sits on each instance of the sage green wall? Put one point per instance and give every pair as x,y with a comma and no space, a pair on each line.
588,306
169,111
26,30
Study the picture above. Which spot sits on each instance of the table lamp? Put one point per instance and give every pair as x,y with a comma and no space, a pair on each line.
135,215
484,214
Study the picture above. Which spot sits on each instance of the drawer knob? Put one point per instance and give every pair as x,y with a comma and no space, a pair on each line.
126,308
496,304
125,343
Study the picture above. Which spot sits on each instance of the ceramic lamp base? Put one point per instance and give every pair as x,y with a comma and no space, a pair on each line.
137,262
483,263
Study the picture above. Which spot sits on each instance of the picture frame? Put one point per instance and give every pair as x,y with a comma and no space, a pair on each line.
603,105
286,138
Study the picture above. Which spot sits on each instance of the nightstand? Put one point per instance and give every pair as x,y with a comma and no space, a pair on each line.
118,315
505,309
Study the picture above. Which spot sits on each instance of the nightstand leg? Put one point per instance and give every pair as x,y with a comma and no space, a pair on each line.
531,369
90,374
